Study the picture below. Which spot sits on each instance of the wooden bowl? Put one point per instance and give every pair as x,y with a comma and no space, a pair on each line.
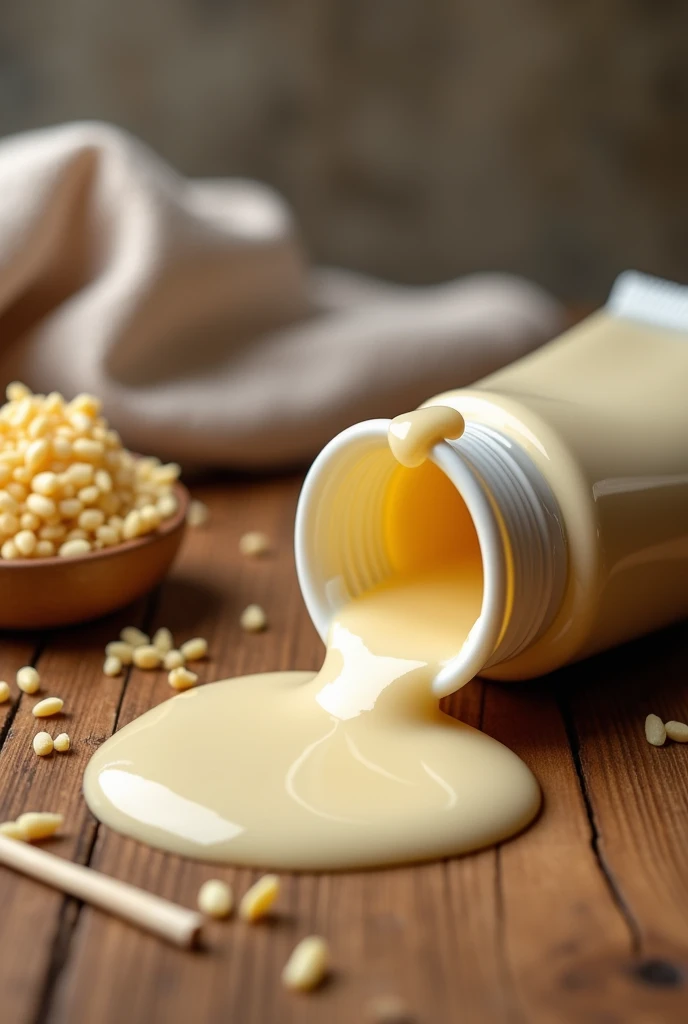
40,592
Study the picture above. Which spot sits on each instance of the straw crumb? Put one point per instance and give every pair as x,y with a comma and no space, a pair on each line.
677,731
257,902
253,619
655,733
254,544
40,824
308,965
12,830
215,898
198,513
388,1010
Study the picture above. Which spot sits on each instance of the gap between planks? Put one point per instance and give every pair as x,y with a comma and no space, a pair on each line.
635,934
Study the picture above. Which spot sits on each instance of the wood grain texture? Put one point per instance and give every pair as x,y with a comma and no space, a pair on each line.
581,919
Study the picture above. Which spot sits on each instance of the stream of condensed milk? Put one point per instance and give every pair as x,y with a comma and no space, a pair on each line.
354,766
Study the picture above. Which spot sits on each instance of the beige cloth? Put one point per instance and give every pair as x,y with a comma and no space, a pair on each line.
189,308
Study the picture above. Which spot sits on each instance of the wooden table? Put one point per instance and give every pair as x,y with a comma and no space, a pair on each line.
584,918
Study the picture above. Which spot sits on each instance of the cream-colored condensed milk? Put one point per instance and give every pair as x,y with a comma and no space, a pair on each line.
354,766
413,435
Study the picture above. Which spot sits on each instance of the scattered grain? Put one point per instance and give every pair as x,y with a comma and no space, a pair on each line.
173,659
253,619
194,650
254,544
308,965
181,678
62,743
147,656
12,830
121,650
28,679
47,707
112,666
43,744
258,900
39,824
655,733
134,636
198,513
215,898
677,731
4,691
163,640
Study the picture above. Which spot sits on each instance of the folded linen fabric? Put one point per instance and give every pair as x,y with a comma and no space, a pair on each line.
189,307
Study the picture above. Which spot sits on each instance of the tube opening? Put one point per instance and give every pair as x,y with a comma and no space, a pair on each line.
364,519
427,524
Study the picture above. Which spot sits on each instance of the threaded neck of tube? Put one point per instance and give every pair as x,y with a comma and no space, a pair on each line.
532,533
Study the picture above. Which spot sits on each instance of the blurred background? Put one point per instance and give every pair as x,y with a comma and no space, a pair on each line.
415,139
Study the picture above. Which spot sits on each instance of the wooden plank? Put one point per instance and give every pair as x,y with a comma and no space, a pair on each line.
19,905
35,920
14,653
557,912
594,896
638,796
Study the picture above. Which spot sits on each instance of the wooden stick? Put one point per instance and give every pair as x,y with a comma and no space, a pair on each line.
153,913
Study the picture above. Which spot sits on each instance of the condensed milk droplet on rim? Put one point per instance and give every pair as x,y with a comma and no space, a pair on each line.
413,435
